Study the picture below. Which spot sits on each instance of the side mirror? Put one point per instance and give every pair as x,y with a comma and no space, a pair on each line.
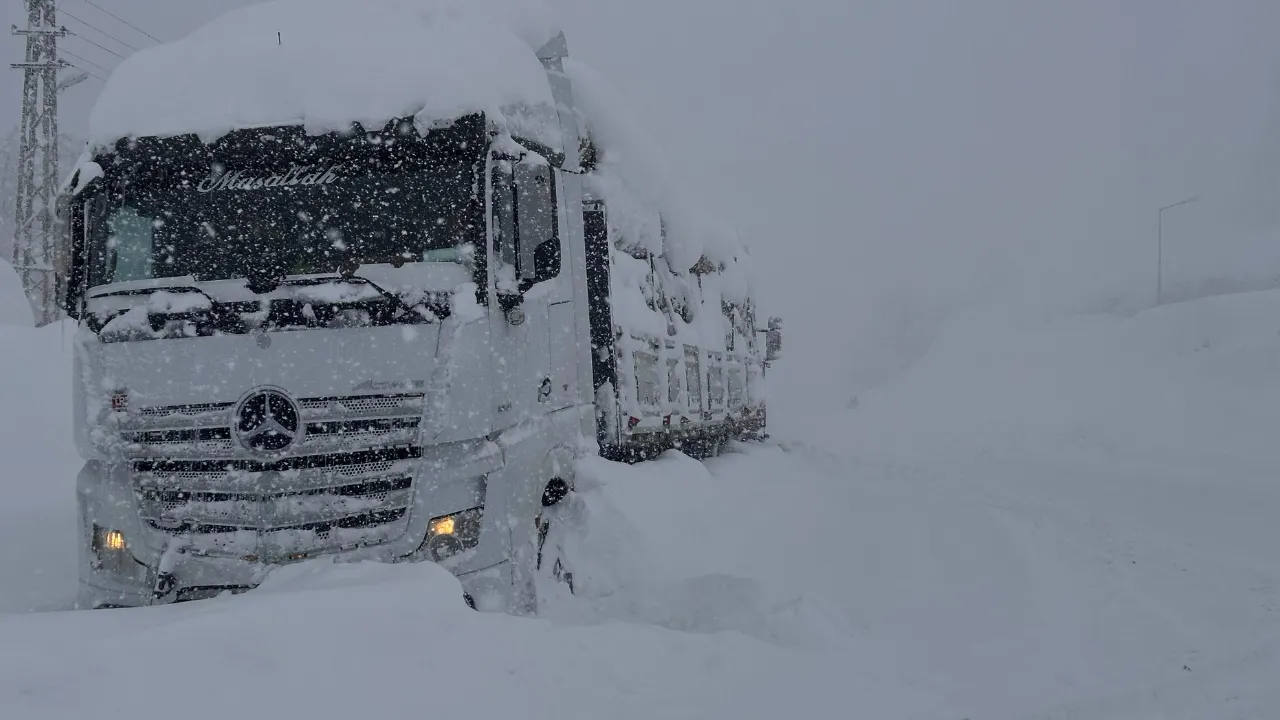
68,244
538,256
504,237
526,236
61,251
773,340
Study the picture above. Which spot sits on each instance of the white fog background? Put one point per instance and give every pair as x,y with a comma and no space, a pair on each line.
892,161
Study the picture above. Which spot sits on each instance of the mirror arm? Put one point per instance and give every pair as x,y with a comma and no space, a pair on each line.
507,301
555,159
509,304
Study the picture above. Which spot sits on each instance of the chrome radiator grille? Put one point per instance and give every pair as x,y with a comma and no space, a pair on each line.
281,510
347,480
329,424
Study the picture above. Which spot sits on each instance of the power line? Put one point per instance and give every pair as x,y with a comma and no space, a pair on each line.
98,45
117,17
90,73
85,60
93,27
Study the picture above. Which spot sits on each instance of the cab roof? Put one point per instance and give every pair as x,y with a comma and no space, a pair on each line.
325,64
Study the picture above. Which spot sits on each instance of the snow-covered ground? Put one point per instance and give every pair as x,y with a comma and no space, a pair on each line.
1042,518
38,465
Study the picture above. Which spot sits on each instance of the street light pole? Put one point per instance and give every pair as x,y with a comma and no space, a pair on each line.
1160,246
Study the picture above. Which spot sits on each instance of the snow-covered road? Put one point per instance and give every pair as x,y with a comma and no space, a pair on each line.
1071,520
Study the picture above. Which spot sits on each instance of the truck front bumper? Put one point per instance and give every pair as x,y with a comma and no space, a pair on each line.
196,578
142,565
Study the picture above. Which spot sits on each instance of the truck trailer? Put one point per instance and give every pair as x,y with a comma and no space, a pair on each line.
373,299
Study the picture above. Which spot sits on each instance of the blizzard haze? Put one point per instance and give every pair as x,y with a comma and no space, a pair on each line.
1002,483
889,159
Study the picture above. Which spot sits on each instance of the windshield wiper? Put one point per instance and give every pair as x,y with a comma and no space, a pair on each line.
229,317
394,299
168,288
216,311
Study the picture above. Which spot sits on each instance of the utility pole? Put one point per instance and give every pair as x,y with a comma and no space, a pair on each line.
1160,246
33,242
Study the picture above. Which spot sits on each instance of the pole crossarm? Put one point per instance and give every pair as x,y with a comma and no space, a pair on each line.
56,32
55,65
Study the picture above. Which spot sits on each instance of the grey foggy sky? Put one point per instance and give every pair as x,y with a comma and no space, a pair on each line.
933,148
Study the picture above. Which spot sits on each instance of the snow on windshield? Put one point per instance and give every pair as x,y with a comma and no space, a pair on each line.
328,63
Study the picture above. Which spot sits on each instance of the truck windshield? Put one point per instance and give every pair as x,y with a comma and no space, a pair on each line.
291,220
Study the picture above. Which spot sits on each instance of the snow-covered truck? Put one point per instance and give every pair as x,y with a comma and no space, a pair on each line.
364,279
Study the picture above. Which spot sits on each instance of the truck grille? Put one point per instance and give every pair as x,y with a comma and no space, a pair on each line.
281,510
330,424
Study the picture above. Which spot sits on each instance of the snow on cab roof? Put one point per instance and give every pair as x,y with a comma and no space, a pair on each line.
327,63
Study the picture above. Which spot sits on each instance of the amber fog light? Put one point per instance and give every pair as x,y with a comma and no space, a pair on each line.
111,550
449,535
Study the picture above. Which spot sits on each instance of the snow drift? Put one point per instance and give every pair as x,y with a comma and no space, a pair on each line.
329,641
952,548
38,466
1190,384
327,63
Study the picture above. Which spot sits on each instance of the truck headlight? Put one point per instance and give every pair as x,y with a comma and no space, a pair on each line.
449,535
113,540
111,551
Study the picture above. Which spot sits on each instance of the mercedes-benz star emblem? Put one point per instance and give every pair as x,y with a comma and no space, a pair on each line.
267,421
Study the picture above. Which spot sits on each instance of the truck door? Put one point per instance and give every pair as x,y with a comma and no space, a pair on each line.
562,314
525,254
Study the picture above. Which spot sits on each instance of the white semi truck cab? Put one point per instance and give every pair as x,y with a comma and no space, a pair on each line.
384,336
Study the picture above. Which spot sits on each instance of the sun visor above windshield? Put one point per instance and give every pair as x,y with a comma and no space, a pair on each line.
391,146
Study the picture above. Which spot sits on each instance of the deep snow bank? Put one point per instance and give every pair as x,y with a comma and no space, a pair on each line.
38,464
1081,506
673,543
320,640
1189,384
894,570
